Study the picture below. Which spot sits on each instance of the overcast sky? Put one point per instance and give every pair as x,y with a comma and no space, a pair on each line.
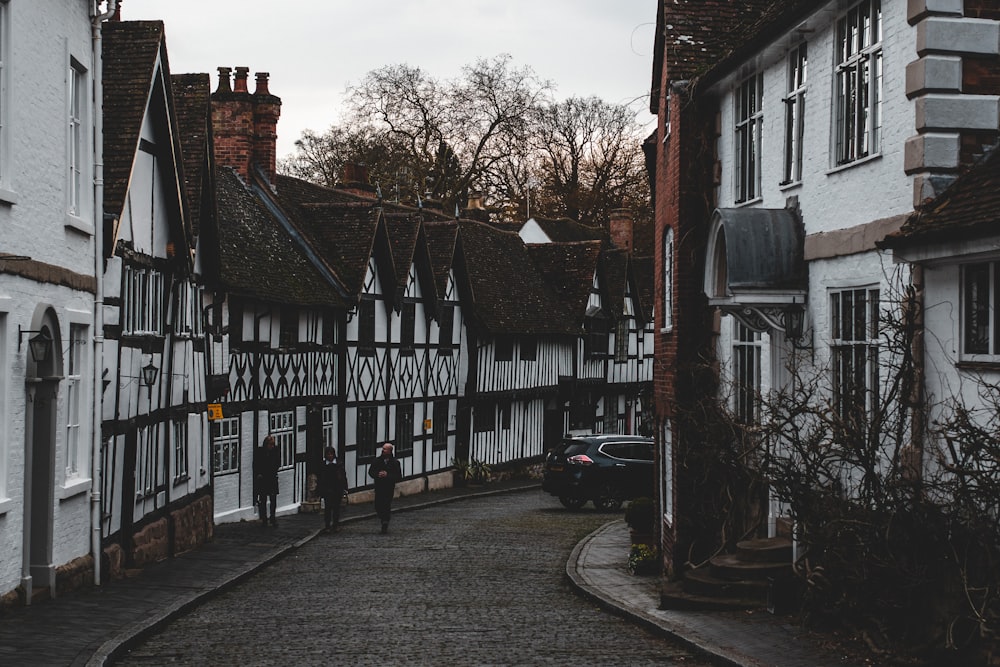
314,49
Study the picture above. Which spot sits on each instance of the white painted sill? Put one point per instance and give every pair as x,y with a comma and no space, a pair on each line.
74,488
79,225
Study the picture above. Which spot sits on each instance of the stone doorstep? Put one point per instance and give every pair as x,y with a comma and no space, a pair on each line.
770,549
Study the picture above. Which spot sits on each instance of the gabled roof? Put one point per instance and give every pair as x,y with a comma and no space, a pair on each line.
643,269
409,246
566,230
509,294
442,238
569,269
700,38
967,210
192,103
257,257
613,270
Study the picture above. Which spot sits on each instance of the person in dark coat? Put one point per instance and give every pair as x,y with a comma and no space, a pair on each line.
332,485
266,461
386,472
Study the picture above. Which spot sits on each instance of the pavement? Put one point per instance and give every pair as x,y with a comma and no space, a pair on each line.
93,626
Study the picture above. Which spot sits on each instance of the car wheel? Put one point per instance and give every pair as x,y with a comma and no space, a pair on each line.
608,499
572,502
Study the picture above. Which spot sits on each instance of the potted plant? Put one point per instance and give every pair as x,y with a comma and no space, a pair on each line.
640,517
462,471
479,472
643,559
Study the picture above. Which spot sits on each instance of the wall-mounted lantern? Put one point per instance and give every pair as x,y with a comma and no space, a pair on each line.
40,344
149,373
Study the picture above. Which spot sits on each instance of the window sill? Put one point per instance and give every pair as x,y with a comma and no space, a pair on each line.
74,488
181,479
977,365
8,197
79,225
748,202
5,505
856,163
790,185
666,330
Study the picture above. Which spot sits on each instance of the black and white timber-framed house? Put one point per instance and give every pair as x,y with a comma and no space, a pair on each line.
156,488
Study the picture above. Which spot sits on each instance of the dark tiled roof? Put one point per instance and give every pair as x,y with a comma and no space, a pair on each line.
509,294
568,269
563,230
696,37
192,106
130,50
404,231
643,269
441,239
968,209
257,256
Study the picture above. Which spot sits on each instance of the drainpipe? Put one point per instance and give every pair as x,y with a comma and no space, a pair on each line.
96,482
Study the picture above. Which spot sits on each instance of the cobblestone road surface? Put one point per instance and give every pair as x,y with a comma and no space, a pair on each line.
478,582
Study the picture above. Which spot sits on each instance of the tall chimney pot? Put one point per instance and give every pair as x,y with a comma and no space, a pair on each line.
240,85
262,84
225,77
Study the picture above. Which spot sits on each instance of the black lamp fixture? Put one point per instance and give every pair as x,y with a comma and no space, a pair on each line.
40,344
794,319
149,373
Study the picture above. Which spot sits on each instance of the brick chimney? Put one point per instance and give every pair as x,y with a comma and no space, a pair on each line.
245,125
354,179
620,224
267,109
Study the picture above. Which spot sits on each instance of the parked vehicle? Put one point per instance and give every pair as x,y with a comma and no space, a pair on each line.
603,469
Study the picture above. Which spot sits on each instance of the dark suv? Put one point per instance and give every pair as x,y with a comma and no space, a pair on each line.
605,469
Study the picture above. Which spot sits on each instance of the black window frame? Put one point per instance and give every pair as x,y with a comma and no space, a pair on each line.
366,327
367,431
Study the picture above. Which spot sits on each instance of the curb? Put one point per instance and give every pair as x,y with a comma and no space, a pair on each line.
125,639
642,618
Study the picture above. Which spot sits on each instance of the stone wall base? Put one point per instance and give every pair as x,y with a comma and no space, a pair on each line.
193,525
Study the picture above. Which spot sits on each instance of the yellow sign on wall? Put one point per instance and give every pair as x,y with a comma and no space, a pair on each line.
428,424
214,411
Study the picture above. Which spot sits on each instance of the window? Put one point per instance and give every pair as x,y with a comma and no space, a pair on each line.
180,433
484,419
4,51
504,348
367,431
529,348
668,278
404,429
440,425
187,317
746,373
795,114
150,476
610,414
282,427
288,333
77,136
446,335
330,427
981,309
142,301
595,342
226,445
407,325
859,82
854,346
366,327
749,122
74,388
621,340
504,409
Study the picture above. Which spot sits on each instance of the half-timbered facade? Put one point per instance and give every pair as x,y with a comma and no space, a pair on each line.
154,375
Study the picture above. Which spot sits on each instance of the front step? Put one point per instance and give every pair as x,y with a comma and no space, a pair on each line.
769,549
673,596
700,582
732,566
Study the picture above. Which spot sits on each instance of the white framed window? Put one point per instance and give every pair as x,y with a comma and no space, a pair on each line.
747,345
4,78
142,301
330,427
404,430
854,347
179,429
226,445
77,137
150,475
282,427
187,317
858,75
75,358
795,101
981,311
668,278
621,339
749,118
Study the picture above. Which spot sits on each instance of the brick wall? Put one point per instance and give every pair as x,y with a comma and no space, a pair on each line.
245,125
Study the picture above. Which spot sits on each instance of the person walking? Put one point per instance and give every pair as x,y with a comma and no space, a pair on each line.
266,461
386,472
332,486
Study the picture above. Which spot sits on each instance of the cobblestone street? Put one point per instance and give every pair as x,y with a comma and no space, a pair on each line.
477,582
